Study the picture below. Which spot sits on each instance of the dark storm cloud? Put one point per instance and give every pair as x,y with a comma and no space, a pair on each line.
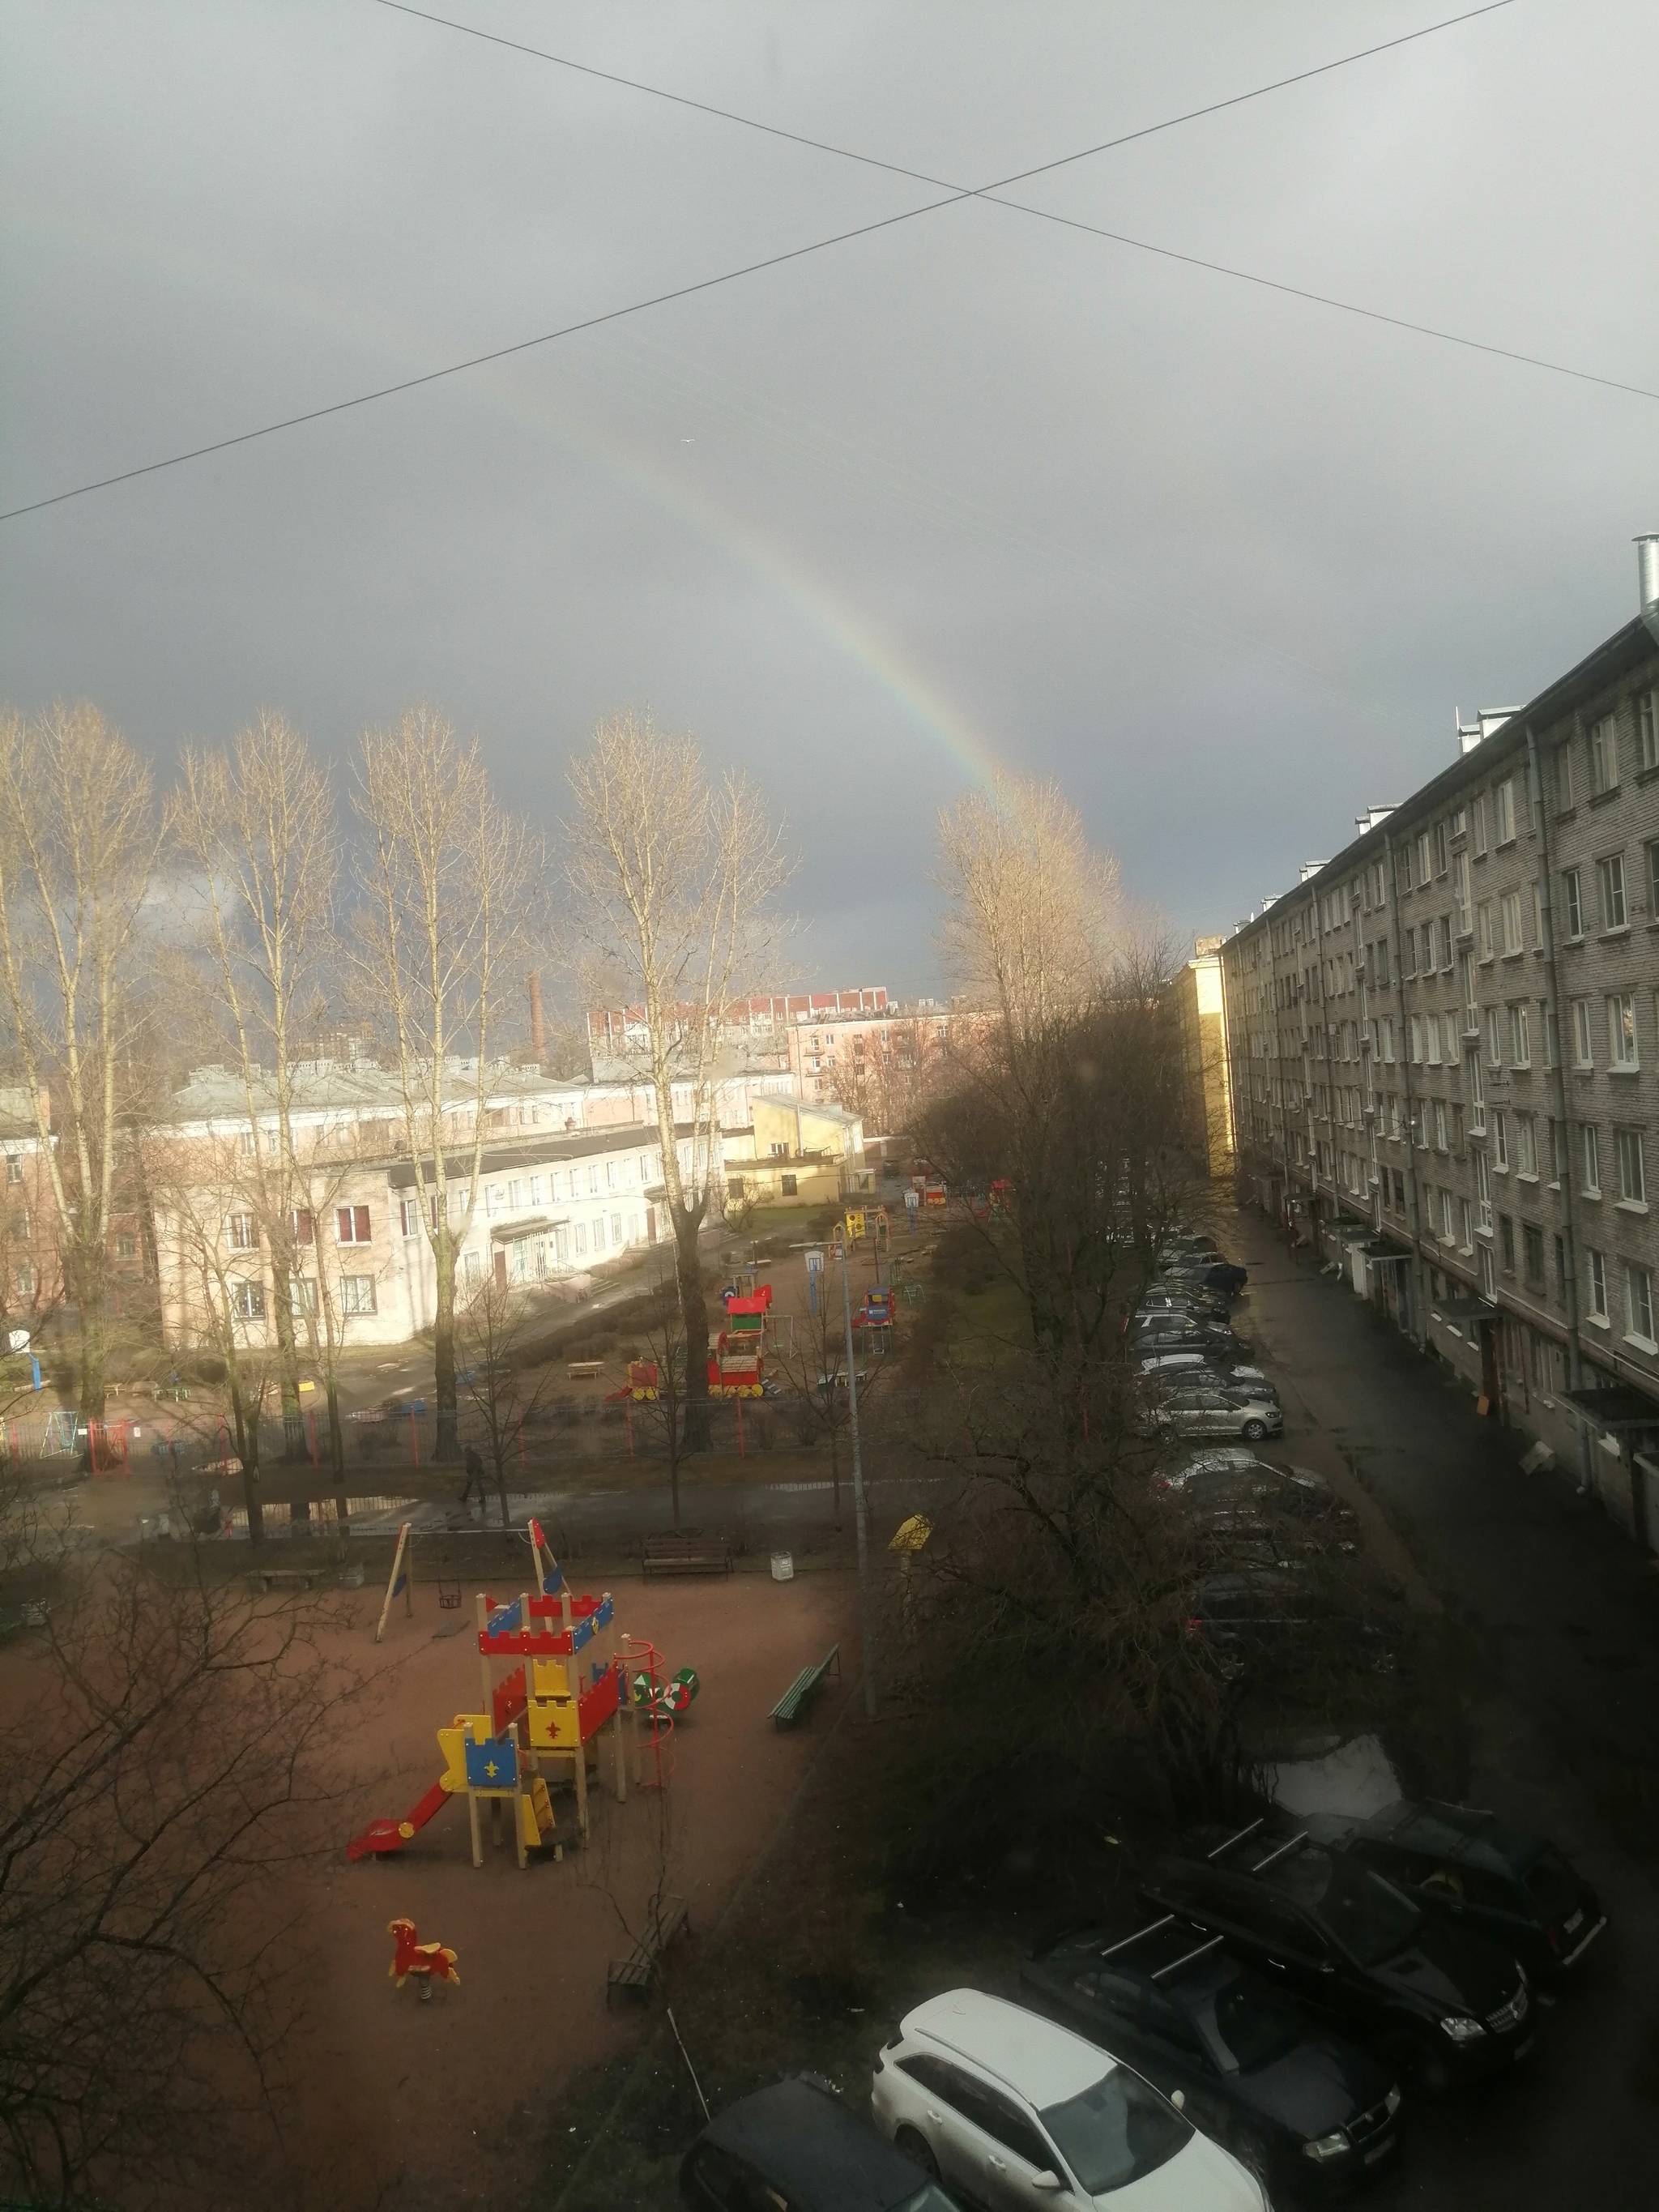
973,488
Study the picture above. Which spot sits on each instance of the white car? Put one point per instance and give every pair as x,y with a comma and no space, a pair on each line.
1012,2112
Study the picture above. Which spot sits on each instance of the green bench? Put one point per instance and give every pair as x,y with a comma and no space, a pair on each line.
638,1972
798,1697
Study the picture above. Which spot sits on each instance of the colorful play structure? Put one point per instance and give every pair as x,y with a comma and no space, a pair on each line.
544,1718
737,1365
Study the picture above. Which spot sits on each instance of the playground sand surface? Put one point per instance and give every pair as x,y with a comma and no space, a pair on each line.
406,2105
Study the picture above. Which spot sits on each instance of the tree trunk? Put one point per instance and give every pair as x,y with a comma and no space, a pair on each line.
448,1449
89,1298
336,1457
247,1450
693,1316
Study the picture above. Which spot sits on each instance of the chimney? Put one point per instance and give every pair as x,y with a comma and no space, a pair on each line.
1647,573
538,1031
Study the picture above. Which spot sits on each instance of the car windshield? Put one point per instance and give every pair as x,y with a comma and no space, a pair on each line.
1117,2132
1551,1887
1247,2024
1368,1916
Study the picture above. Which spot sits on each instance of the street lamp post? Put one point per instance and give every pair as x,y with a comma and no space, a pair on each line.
858,1487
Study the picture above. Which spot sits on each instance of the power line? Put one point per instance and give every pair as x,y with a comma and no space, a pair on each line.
953,196
920,176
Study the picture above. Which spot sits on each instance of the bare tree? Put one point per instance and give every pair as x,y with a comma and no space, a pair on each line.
165,1775
675,878
1031,922
257,826
77,847
448,883
663,1330
494,1325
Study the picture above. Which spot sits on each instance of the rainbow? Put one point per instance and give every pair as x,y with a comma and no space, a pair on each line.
780,569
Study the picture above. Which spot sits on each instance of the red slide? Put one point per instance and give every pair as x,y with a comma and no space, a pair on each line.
380,1836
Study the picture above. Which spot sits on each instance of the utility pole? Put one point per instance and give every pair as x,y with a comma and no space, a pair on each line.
858,1485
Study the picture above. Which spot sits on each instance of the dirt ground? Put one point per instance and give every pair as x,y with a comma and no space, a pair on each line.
406,2104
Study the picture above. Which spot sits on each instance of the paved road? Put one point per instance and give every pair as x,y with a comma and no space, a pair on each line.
1561,1615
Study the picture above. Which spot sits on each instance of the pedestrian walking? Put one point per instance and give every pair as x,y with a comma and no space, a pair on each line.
475,1474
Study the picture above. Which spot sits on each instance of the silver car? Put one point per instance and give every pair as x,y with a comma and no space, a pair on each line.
1195,1410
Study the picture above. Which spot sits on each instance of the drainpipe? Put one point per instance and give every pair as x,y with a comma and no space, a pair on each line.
1398,962
1558,1092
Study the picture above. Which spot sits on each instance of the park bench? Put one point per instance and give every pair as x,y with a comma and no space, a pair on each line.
262,1578
798,1697
669,1916
686,1555
585,1371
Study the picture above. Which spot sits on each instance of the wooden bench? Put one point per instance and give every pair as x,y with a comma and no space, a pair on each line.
686,1555
585,1371
285,1577
669,1916
798,1697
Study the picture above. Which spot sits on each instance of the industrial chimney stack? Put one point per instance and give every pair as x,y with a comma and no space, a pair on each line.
538,1030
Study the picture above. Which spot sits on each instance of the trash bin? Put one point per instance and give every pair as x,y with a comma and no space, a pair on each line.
783,1566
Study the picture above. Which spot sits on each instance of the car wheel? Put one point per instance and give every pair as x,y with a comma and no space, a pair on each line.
1254,1430
917,2149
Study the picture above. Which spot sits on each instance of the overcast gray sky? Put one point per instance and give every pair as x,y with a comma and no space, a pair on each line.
974,489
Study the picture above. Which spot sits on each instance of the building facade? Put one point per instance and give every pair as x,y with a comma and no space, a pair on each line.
1200,1012
1444,1055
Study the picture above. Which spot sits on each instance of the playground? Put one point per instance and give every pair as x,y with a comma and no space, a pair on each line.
448,2095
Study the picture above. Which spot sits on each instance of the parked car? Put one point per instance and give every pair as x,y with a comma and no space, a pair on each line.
1294,2101
1226,1276
1206,1410
796,2144
1181,1299
1013,2111
1185,1333
1440,2004
1198,1363
1233,1476
1515,1888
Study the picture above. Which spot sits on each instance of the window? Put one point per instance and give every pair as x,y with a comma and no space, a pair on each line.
1638,1303
1483,1261
1526,1144
1478,824
1445,943
1572,902
1581,1054
1532,1251
1557,1150
1382,942
788,1186
472,1268
535,1190
1506,1242
409,1216
1520,1037
1610,882
352,1224
14,1167
1511,923
616,1232
1653,882
1457,1126
1431,1039
248,1301
1440,1125
1647,729
1461,893
1399,1191
1500,1140
1503,811
241,1233
1466,1223
1483,930
126,1248
356,1294
1466,979
299,1222
1632,1184
1603,756
1596,1284
492,1199
599,1233
1494,1037
1560,1266
1589,1159
1563,778
1621,1028
302,1294
611,1174
250,1143
1440,848
1477,1094
1483,1191
514,1195
1423,856
592,1182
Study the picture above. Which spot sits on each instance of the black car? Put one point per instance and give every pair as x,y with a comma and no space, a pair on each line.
1441,2003
796,2144
1225,1277
1515,1888
1255,2070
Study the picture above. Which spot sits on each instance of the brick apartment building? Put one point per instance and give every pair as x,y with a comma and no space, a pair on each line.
1444,1050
